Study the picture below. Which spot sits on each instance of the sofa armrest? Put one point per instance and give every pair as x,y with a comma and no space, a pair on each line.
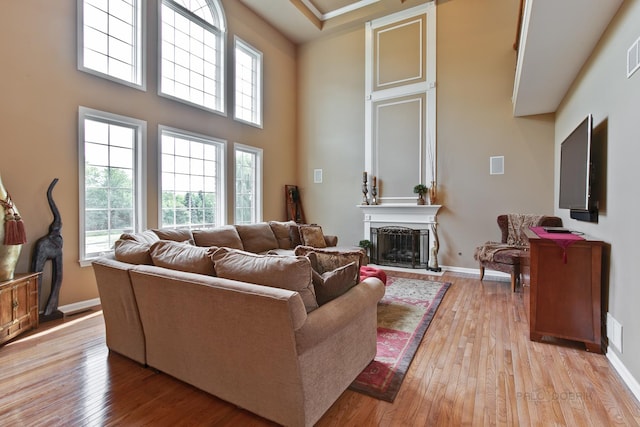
336,314
331,240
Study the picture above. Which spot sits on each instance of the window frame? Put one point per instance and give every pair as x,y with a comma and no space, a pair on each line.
218,12
257,95
258,185
139,172
140,66
221,146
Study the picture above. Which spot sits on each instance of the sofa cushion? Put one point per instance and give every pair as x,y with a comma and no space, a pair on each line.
182,257
282,232
146,236
132,252
257,237
332,284
174,234
224,236
328,259
286,272
311,235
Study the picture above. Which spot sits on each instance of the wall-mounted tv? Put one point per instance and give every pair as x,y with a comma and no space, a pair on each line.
576,173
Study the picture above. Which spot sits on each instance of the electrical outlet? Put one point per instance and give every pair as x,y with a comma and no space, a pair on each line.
317,176
614,332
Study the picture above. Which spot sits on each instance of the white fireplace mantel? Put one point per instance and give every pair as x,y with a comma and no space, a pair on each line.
405,215
401,214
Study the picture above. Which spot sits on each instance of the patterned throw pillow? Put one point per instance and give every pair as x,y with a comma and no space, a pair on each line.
329,259
332,284
311,235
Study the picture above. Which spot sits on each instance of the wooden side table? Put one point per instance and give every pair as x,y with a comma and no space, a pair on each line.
565,295
18,305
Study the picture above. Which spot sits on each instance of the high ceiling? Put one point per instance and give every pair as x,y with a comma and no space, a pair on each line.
557,38
304,20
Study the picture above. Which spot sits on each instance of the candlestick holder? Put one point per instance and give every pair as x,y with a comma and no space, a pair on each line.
365,199
374,195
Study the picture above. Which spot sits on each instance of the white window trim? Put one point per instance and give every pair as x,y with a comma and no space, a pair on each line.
259,178
223,63
140,186
221,182
141,53
258,95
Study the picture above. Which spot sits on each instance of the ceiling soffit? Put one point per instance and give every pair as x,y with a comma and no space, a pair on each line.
305,20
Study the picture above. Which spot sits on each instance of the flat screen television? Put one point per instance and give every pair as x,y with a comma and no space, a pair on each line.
576,173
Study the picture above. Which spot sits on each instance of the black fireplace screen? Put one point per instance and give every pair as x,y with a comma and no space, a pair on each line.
400,247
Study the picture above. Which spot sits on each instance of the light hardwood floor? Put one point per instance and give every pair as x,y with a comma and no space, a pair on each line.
476,366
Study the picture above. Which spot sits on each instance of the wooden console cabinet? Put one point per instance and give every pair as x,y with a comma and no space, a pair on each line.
565,294
18,305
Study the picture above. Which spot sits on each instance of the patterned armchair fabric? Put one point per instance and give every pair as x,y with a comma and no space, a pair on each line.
506,255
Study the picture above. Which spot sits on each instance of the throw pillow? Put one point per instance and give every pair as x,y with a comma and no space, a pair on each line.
294,234
132,252
224,236
257,237
182,257
311,235
174,234
147,236
281,231
329,260
332,284
285,272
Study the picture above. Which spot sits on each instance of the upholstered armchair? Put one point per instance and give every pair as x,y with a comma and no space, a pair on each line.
508,254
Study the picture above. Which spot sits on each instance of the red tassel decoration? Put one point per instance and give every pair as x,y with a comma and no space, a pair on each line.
14,232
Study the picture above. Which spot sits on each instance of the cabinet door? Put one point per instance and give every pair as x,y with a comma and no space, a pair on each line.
6,308
21,300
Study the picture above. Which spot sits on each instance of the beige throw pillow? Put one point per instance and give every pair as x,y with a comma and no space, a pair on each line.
224,236
285,272
182,257
311,235
174,234
257,237
281,231
132,252
147,236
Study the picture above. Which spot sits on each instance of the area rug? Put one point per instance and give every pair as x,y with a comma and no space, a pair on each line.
404,314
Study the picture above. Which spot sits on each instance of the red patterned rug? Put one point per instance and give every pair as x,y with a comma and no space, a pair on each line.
404,314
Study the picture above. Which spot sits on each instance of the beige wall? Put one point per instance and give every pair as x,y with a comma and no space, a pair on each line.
475,74
602,89
41,90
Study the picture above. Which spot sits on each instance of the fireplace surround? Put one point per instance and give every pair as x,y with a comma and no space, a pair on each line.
419,217
400,247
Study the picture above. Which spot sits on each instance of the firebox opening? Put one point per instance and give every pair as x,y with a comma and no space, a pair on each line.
400,247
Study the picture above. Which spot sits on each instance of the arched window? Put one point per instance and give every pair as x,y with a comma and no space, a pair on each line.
192,34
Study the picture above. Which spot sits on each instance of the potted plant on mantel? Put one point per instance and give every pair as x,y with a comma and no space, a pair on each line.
421,190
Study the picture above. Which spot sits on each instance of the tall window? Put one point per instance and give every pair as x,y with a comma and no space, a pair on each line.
110,34
248,106
192,170
248,192
192,34
111,170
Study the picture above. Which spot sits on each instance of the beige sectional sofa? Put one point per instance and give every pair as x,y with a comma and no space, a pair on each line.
262,343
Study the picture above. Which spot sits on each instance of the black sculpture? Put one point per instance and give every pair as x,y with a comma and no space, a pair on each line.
49,247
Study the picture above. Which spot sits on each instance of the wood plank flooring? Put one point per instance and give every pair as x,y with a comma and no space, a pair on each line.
476,366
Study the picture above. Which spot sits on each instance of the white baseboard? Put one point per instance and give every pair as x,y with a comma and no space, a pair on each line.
78,306
622,370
